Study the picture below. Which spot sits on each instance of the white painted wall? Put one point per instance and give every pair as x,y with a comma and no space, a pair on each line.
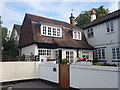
93,76
30,49
47,73
103,39
12,71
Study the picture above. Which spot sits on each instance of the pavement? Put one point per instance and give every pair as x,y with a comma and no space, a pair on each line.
29,84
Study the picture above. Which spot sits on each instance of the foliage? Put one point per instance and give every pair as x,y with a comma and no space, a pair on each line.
22,58
10,45
84,17
0,20
64,61
104,64
95,60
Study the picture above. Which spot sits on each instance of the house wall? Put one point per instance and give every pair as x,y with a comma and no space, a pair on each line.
103,39
30,49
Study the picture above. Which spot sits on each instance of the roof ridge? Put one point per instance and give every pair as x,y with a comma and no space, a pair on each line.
50,19
107,14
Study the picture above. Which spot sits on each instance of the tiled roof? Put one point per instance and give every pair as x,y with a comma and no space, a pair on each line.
104,19
17,28
30,33
41,19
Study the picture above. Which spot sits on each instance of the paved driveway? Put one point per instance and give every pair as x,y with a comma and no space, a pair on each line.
30,84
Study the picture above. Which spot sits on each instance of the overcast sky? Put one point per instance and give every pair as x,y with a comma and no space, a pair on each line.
13,12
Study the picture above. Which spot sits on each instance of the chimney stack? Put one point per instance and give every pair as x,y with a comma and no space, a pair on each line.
93,15
72,19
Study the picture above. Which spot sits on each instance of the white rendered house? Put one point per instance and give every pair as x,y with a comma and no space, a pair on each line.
104,35
49,38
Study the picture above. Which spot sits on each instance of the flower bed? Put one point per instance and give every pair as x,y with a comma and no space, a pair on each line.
50,59
82,59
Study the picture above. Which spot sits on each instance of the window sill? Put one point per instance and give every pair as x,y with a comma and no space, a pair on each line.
52,36
110,32
76,39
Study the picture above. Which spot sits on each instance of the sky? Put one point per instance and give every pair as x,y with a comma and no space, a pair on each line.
13,11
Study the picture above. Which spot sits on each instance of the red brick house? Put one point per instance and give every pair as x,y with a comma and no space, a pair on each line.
45,38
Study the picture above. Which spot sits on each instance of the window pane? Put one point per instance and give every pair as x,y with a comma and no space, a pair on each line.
49,30
78,35
103,53
99,54
44,30
113,53
111,25
58,32
107,26
54,31
75,34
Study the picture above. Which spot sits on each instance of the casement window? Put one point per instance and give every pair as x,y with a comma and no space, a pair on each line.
44,30
46,52
51,31
54,31
57,53
100,53
109,26
58,32
90,32
85,56
116,53
69,56
77,35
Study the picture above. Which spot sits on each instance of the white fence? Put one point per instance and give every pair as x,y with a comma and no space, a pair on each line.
47,72
80,76
93,76
11,71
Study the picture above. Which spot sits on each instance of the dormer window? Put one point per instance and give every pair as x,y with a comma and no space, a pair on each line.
51,31
77,35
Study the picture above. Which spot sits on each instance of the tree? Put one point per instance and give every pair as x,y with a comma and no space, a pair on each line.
84,17
10,45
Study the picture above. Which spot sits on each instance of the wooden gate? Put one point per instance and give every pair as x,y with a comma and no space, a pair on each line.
64,77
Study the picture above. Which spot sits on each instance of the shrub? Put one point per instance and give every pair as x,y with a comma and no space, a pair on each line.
22,58
95,60
64,61
104,64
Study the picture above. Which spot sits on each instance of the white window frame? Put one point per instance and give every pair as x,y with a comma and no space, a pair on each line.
45,52
116,54
90,32
110,26
99,54
70,56
51,33
77,35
